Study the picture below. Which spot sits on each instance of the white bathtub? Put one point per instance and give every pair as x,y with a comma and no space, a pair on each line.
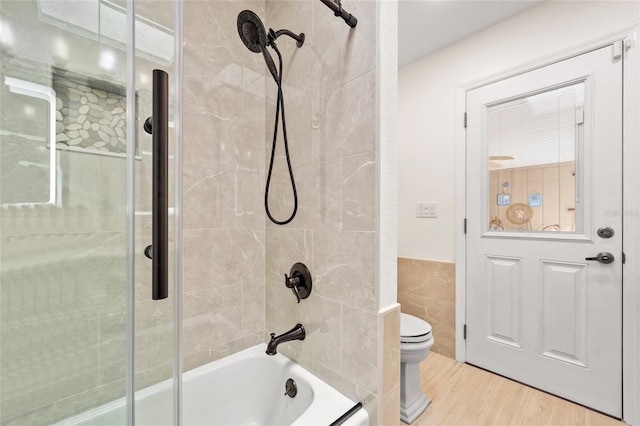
246,388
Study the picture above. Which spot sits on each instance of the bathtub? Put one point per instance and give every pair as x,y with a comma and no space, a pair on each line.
246,388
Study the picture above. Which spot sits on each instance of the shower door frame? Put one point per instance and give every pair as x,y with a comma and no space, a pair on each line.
631,186
131,136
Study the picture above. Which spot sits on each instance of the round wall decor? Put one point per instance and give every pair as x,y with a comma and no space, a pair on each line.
519,214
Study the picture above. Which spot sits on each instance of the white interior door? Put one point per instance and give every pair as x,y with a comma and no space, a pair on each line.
544,176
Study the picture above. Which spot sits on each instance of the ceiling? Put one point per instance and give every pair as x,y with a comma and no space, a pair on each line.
425,26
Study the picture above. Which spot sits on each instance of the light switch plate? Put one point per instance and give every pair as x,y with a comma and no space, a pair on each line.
429,210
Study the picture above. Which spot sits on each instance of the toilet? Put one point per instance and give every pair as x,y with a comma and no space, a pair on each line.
415,342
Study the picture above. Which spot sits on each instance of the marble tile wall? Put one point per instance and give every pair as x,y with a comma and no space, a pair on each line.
62,293
223,174
426,289
330,99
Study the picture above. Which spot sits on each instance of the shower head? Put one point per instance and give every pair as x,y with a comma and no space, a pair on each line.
253,35
252,31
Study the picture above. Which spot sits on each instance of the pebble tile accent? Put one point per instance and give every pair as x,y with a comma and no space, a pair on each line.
89,118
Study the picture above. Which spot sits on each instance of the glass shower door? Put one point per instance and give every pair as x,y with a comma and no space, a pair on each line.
78,328
155,325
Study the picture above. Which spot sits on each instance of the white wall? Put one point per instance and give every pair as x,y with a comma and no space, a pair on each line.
427,115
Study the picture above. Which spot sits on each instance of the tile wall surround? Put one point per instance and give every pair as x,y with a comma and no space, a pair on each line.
63,297
426,289
330,99
223,175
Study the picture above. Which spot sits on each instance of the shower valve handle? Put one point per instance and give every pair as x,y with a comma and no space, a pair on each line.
293,283
299,281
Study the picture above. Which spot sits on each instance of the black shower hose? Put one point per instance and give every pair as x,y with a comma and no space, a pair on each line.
280,107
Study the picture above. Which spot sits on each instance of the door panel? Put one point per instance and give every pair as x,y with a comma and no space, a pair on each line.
505,281
564,311
544,155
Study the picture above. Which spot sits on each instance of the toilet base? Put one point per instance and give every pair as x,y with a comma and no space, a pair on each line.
413,411
412,400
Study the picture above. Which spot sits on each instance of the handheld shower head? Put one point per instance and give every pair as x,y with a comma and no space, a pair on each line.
253,35
252,31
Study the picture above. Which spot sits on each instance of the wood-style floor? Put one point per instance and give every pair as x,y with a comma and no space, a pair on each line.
465,395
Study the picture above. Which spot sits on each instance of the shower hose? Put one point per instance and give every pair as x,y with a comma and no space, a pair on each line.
279,108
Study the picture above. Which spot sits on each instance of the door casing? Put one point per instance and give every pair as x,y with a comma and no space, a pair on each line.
631,189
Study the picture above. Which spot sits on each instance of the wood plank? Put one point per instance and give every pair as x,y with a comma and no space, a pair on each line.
593,418
534,185
551,196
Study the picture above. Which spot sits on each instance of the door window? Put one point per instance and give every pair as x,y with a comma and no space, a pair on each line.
533,162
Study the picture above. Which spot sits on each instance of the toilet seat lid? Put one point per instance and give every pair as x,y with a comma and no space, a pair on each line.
411,326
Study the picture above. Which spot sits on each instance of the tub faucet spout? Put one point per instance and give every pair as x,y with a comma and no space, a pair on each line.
296,333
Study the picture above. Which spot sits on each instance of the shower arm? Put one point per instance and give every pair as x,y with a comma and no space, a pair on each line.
336,6
273,35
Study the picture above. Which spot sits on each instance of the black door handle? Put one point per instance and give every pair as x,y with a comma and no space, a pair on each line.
160,161
604,257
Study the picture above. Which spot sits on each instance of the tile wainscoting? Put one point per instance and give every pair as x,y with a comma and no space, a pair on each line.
426,289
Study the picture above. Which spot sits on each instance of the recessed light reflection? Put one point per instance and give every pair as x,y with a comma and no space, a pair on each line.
6,36
60,51
144,78
107,61
29,110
